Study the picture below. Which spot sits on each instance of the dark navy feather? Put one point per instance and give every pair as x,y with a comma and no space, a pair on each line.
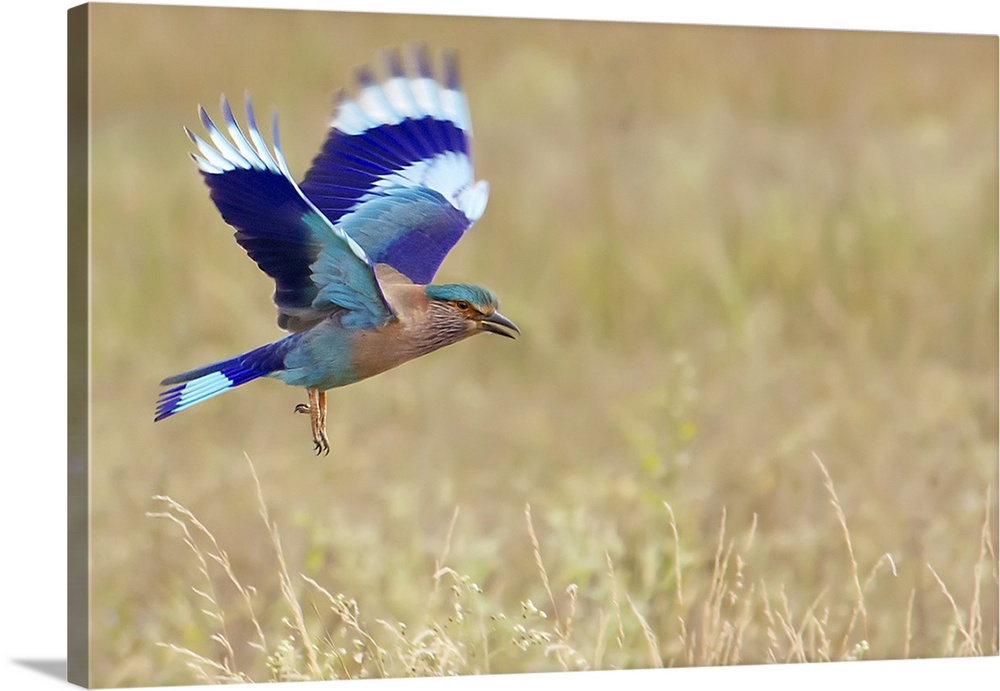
344,170
266,212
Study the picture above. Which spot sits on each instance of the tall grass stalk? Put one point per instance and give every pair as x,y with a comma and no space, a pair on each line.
734,616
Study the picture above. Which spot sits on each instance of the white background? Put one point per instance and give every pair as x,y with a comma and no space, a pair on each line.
33,385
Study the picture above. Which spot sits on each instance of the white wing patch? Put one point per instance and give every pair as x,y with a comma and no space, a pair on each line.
399,99
222,155
449,173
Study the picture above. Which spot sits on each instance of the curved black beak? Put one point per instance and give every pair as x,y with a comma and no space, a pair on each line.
499,324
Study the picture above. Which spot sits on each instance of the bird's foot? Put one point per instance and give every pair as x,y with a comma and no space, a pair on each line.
318,429
321,444
316,410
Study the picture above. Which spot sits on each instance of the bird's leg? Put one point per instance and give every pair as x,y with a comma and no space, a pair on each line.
321,400
316,408
317,416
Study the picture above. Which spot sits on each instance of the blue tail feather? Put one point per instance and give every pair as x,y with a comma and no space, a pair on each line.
200,384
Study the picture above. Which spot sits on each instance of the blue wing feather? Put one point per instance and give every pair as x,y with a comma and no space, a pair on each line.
410,229
409,133
283,232
266,213
346,167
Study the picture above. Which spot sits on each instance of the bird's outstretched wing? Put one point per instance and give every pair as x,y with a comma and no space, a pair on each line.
395,171
317,267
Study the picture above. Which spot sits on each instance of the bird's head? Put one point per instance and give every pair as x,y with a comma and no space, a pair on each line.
462,310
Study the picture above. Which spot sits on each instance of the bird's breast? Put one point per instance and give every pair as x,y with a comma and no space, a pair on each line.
377,350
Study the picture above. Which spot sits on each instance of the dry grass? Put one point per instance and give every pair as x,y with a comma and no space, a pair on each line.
727,249
733,622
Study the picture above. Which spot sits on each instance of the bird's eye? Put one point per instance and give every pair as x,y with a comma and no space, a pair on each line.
462,305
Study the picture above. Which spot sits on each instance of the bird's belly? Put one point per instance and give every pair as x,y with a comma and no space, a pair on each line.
320,359
331,356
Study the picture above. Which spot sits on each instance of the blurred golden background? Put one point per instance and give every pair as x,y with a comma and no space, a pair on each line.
728,249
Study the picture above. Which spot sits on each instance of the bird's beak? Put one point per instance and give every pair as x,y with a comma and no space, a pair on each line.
499,324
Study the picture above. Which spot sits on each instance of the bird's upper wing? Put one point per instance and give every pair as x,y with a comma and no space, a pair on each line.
395,170
316,266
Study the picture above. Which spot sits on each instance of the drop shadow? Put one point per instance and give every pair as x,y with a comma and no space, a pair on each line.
50,668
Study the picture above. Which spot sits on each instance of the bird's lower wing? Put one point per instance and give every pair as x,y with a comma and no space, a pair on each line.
317,268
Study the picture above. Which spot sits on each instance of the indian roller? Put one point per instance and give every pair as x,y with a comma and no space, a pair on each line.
354,247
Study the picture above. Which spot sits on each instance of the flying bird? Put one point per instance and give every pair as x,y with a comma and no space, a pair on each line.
354,247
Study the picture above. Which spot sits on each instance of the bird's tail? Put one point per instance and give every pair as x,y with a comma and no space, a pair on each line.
205,382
